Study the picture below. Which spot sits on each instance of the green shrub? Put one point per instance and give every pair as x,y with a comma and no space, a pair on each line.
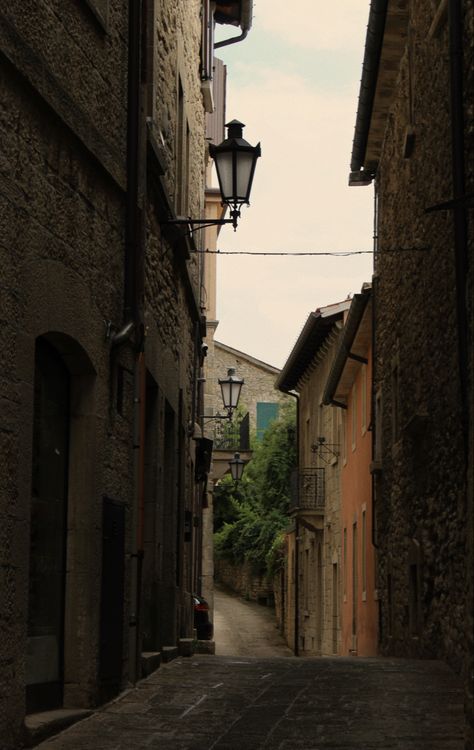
250,516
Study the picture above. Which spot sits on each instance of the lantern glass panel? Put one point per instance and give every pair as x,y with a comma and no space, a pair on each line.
225,173
245,160
230,393
236,467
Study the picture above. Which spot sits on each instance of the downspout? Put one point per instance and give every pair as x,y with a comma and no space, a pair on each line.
133,314
460,219
297,528
374,369
232,40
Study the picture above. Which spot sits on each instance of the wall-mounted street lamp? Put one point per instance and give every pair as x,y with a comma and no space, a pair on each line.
230,390
235,161
236,467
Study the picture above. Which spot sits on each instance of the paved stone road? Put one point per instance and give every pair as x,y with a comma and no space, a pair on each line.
235,703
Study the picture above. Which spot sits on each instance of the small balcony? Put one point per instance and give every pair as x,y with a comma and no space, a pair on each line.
232,436
308,490
229,438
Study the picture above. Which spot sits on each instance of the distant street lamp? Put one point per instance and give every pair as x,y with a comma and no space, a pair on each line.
236,467
230,390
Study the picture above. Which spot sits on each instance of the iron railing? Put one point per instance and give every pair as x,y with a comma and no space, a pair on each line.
232,436
308,489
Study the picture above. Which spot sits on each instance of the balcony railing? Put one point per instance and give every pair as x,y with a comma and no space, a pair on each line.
232,436
308,489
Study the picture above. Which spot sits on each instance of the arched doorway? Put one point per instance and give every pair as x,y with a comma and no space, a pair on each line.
51,422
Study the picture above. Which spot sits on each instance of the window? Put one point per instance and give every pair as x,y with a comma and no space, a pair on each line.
354,416
266,414
344,563
395,382
355,578
390,605
364,554
378,425
306,579
182,154
344,436
215,117
413,604
363,399
207,41
335,608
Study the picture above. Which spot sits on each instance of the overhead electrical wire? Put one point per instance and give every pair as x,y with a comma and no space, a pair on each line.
335,253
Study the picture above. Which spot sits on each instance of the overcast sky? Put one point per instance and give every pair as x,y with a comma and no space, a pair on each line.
294,82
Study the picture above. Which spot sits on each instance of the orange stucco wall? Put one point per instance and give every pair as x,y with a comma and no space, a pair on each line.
358,604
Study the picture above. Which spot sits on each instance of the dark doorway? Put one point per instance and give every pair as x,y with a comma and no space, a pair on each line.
45,648
112,597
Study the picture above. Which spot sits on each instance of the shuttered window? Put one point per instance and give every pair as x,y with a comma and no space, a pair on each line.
266,413
207,41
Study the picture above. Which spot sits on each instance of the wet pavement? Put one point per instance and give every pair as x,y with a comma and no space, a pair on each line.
254,694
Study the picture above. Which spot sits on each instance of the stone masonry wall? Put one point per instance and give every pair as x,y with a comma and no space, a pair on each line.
421,494
242,580
259,380
62,128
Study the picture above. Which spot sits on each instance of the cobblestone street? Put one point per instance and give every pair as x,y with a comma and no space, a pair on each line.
230,703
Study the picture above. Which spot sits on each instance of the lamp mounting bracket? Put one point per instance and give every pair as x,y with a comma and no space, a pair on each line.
325,451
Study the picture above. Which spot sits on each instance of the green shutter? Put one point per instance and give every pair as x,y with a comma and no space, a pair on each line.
266,413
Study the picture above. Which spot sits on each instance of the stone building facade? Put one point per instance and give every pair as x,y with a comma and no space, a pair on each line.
259,385
102,125
312,588
349,388
414,137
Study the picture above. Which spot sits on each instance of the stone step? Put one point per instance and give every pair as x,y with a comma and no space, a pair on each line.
40,726
150,661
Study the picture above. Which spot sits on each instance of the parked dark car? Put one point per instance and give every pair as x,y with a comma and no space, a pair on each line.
204,627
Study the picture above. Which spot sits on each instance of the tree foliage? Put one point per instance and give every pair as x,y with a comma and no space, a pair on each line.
250,516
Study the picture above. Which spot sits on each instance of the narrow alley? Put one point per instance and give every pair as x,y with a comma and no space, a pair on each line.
244,628
238,701
225,369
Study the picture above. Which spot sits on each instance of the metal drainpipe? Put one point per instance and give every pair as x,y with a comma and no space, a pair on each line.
232,40
133,312
459,190
297,527
374,365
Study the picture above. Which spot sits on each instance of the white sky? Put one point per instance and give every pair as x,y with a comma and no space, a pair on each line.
294,82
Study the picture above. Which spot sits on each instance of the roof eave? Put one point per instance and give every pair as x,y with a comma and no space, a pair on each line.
298,361
243,18
354,318
385,42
